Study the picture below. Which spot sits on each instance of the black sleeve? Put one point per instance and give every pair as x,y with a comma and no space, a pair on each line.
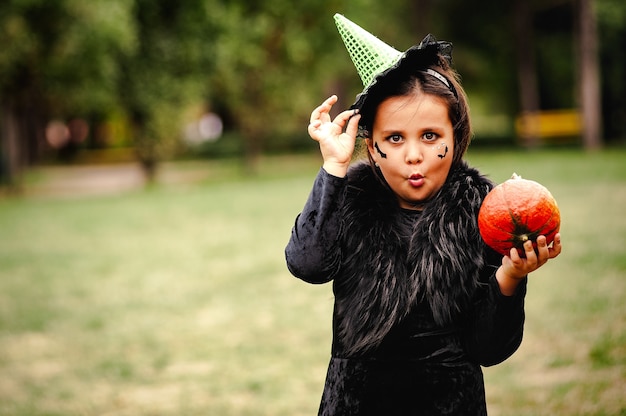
496,327
312,253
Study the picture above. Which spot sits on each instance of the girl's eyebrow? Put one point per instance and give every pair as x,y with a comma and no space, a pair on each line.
391,132
435,129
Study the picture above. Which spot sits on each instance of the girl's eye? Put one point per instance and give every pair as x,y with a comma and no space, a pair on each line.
429,137
394,138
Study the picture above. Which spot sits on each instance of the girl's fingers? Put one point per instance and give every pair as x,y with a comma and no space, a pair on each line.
532,260
342,118
542,250
514,255
313,127
321,125
315,124
555,250
324,108
353,125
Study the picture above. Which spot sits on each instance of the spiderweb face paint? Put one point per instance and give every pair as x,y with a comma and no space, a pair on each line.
380,152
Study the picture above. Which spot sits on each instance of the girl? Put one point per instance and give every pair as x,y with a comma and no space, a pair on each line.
420,301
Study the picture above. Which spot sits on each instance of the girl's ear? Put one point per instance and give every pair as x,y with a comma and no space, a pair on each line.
371,149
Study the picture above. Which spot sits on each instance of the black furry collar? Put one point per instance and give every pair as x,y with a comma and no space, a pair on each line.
383,274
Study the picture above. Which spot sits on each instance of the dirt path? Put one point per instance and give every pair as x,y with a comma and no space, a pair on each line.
93,180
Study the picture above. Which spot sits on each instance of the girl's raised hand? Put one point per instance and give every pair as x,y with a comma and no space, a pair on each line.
336,138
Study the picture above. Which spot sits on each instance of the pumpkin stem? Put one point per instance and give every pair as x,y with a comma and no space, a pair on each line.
515,176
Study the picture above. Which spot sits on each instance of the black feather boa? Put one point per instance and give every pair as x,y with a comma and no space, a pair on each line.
381,276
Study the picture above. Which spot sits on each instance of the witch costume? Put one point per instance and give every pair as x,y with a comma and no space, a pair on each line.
417,307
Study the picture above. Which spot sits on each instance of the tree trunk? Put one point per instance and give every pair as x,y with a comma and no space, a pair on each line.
421,17
149,167
526,71
145,150
589,79
252,150
10,156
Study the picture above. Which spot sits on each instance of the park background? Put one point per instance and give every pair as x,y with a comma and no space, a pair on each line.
154,157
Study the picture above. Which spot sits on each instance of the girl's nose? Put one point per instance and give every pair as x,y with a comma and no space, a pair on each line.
413,152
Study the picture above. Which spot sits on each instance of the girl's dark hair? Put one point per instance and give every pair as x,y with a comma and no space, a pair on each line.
407,79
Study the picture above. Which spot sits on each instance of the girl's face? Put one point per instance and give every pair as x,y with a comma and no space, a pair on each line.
412,142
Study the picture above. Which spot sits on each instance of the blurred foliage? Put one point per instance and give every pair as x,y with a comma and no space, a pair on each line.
262,66
166,72
612,28
63,54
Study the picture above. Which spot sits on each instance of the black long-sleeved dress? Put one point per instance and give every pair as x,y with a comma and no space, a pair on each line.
417,307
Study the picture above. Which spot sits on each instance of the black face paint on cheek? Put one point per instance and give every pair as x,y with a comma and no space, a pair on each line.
445,152
380,152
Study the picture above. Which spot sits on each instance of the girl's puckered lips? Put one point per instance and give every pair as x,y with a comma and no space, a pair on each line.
416,180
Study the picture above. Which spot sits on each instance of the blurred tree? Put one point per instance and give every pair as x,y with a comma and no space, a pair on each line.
485,50
611,22
526,65
590,103
272,60
166,72
58,57
276,62
264,65
539,50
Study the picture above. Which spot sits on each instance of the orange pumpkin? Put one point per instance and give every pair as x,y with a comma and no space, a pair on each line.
516,211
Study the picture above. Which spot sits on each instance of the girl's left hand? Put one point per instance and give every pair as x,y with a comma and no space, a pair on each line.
514,267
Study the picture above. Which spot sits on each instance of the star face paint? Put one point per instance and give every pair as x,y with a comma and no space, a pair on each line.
380,152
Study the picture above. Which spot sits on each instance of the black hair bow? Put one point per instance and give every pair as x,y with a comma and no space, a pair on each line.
442,47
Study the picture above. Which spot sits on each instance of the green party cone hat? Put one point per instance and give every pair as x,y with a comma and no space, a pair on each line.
370,55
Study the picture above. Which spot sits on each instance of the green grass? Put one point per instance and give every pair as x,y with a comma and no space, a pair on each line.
176,301
573,357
